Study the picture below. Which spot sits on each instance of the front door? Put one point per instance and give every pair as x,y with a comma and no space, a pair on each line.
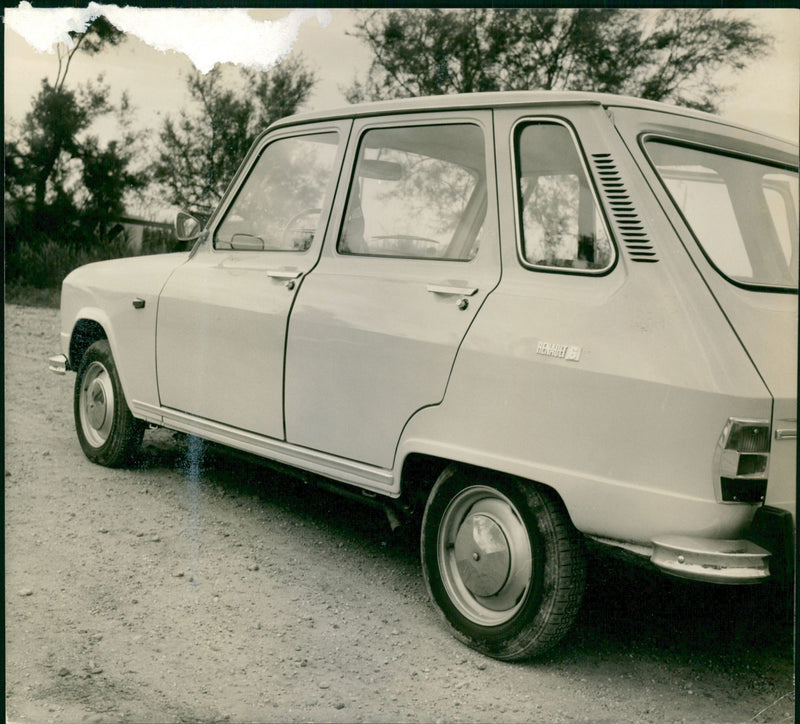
377,324
222,316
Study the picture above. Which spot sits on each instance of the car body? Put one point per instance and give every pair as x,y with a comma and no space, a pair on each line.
536,319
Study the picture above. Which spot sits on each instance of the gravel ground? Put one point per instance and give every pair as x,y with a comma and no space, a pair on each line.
200,588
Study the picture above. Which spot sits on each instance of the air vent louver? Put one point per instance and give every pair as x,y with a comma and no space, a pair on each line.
628,223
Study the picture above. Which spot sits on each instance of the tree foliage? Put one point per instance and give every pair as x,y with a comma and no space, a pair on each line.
61,181
670,54
99,34
199,152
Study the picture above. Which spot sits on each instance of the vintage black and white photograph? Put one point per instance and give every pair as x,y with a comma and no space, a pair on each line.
400,365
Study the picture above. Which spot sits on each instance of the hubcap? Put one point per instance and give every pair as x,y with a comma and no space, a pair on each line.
96,404
484,555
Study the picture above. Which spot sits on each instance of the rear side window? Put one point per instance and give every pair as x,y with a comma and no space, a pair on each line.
742,212
561,226
417,192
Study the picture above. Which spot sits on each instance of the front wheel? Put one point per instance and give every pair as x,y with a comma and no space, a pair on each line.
108,433
502,562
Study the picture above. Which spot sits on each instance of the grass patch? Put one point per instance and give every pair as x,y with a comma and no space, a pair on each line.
28,296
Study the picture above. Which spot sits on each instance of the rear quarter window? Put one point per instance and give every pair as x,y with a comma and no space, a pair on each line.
561,226
743,212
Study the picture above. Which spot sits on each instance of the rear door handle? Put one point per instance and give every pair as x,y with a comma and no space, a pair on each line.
449,289
283,274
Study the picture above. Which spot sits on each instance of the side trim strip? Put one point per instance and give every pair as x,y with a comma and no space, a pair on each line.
378,480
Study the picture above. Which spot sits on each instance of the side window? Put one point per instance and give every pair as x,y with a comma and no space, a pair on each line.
743,212
417,192
278,206
781,197
561,225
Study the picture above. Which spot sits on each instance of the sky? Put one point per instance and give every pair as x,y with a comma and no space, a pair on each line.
155,80
766,95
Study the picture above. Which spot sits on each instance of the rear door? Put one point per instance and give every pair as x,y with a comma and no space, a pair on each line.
377,324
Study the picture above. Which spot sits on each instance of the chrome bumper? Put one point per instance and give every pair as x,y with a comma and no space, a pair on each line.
711,560
58,364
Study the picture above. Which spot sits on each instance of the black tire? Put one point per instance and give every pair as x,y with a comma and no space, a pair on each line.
108,433
514,592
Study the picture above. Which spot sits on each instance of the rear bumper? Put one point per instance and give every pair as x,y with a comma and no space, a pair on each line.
766,553
711,560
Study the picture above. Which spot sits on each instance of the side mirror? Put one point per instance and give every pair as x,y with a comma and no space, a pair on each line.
187,227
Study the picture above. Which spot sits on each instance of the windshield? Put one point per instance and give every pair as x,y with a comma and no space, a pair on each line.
742,212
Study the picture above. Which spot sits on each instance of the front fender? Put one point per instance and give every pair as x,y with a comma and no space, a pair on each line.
105,293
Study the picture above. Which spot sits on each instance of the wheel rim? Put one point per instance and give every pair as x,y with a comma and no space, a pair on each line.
96,404
484,555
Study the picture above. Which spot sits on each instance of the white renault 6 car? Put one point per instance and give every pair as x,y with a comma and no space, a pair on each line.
532,319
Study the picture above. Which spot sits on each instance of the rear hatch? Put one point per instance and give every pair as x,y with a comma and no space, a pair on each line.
767,326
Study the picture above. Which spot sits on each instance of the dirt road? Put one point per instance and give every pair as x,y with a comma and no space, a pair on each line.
200,589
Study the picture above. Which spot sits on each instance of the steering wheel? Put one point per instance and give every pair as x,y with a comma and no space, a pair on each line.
297,236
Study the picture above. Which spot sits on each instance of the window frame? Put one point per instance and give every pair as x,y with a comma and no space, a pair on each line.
396,123
249,163
722,151
516,131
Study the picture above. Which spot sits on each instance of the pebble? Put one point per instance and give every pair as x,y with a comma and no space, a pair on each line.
178,574
324,685
252,567
339,705
104,530
25,592
63,671
481,665
155,539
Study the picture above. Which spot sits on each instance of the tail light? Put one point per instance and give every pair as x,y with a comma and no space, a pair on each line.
741,461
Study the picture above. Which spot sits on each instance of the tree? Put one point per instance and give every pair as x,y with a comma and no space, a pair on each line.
199,153
665,55
97,35
58,176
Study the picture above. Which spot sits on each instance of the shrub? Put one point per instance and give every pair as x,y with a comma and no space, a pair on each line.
43,263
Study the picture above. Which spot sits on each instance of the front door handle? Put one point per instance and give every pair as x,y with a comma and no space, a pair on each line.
453,290
283,274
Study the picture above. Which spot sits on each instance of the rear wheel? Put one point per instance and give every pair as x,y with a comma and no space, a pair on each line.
108,433
502,562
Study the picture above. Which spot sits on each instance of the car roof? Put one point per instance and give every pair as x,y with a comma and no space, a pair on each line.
499,99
